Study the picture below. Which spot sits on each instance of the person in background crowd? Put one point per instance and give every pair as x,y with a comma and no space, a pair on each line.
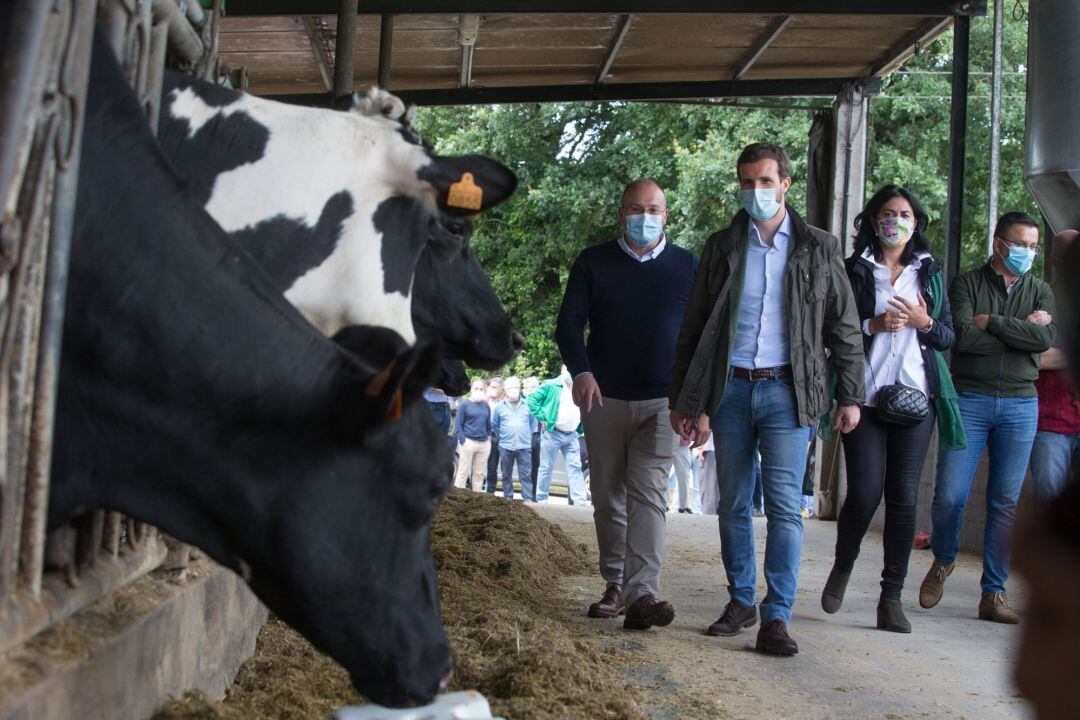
473,423
494,396
560,427
707,477
1057,442
684,475
513,426
630,292
439,404
1004,320
770,298
898,287
528,387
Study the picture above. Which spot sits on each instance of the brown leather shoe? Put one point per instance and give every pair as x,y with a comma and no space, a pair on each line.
773,638
647,611
933,585
609,606
734,618
995,607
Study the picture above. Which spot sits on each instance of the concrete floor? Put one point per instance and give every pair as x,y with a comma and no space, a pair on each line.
952,665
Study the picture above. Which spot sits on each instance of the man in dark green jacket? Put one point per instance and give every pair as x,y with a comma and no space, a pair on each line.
769,298
1003,317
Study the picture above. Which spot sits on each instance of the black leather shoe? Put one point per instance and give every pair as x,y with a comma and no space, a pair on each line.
647,611
608,606
734,618
773,638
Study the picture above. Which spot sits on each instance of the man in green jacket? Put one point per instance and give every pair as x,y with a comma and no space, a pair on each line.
770,297
560,427
1003,318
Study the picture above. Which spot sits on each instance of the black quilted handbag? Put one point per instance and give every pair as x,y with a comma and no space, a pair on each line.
902,405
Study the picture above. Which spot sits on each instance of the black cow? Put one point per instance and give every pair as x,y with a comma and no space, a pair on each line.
194,397
337,207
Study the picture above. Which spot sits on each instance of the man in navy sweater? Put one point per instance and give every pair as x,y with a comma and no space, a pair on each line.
631,292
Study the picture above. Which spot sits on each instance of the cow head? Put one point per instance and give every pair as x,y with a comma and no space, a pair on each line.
453,299
191,395
335,205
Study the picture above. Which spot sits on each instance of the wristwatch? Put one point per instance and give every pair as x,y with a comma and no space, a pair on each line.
929,327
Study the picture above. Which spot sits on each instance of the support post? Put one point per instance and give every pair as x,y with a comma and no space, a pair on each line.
386,45
957,145
848,162
345,48
995,126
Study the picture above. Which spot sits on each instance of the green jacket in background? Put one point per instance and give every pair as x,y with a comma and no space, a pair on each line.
544,403
822,316
1003,360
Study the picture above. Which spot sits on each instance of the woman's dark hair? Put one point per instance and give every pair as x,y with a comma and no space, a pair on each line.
866,229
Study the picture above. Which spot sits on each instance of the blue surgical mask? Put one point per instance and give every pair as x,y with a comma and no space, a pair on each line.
761,204
643,230
1019,260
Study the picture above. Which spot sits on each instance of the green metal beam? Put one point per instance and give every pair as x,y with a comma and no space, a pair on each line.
941,8
607,92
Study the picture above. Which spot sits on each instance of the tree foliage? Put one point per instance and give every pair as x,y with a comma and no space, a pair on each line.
573,160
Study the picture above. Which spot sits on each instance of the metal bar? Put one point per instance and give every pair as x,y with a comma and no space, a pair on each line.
941,8
468,31
613,47
465,78
313,27
344,48
610,91
184,43
386,48
995,126
957,145
907,46
763,43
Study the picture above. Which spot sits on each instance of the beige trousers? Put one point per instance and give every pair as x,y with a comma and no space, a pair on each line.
472,458
630,454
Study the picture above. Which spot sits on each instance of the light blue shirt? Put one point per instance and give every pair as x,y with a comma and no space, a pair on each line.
513,425
647,256
761,336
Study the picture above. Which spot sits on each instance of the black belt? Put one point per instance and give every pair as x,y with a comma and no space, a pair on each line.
781,372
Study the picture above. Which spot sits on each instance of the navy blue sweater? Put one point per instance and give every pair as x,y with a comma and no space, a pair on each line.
473,421
633,311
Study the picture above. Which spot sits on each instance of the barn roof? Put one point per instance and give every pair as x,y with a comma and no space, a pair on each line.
475,51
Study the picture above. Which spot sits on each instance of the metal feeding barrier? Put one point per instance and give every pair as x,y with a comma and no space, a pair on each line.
45,577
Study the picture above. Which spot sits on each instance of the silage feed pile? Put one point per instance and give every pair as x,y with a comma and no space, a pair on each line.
501,578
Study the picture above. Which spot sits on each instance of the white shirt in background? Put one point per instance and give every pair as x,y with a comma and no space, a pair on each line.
569,414
894,357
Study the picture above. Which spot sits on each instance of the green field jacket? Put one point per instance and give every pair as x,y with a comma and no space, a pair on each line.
822,316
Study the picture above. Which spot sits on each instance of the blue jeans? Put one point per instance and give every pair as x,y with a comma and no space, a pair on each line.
1008,425
761,415
523,458
1052,458
553,442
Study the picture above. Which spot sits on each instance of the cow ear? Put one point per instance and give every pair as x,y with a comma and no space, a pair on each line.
468,184
402,381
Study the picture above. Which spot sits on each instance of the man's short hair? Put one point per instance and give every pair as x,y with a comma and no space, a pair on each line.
765,151
512,381
1006,221
640,181
495,380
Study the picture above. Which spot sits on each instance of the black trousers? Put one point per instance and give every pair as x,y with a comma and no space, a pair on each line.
882,460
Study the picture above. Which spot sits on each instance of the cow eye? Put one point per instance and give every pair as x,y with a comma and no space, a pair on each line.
457,228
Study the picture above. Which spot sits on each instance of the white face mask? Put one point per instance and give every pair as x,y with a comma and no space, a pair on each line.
513,394
895,231
476,395
493,393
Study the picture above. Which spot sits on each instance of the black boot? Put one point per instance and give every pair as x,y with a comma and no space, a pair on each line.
832,597
890,616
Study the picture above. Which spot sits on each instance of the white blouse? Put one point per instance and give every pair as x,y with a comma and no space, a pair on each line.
894,357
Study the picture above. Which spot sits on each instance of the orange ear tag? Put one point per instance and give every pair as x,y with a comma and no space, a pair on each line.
465,194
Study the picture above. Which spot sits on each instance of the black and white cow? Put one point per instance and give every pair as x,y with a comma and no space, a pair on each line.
339,206
193,396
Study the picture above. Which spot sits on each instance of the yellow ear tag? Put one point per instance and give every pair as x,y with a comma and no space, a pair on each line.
465,194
